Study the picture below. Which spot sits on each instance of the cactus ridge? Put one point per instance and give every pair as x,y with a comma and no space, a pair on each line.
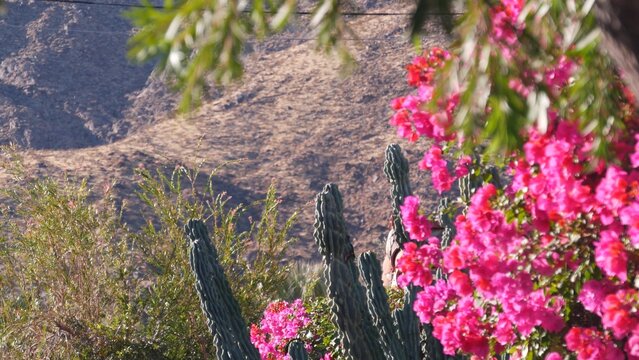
224,318
396,170
408,324
348,304
379,309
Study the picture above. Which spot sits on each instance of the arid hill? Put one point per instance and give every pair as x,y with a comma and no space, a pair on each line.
75,105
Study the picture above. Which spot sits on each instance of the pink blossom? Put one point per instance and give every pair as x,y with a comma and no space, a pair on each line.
593,293
612,190
432,300
634,158
590,344
619,312
610,254
433,160
460,282
557,77
461,169
553,356
281,323
417,226
632,345
629,216
414,265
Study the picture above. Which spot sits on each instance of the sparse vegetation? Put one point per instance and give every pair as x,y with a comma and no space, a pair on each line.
78,283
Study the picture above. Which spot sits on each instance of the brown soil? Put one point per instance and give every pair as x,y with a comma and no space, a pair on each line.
294,120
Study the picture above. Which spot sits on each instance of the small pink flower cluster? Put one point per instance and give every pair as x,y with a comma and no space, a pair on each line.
564,215
506,26
282,323
411,120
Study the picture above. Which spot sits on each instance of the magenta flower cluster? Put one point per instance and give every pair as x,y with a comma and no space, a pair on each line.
282,323
557,245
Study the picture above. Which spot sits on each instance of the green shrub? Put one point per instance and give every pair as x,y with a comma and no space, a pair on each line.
305,280
326,335
66,273
77,283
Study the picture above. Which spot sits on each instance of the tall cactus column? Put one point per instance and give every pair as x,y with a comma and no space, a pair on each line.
377,300
396,170
359,339
410,330
224,319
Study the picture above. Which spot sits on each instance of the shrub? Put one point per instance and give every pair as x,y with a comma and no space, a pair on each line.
545,265
78,283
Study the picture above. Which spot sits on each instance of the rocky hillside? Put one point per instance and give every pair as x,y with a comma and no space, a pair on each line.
65,81
76,106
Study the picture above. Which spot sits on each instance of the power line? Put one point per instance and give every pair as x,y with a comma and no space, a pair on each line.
269,40
297,12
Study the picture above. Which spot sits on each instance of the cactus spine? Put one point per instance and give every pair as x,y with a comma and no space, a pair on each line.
222,311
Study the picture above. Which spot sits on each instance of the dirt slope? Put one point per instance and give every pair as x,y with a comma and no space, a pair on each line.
65,81
294,120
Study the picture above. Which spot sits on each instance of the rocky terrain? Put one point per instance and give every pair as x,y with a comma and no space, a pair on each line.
75,106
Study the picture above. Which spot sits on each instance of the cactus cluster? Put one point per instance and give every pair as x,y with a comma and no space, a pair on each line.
368,329
366,326
222,311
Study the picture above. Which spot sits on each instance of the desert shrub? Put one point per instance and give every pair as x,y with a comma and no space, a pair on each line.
66,273
78,283
325,332
175,199
305,280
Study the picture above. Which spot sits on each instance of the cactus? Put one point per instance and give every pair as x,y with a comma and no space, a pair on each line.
297,351
222,311
378,308
367,328
357,335
394,336
396,170
431,347
408,324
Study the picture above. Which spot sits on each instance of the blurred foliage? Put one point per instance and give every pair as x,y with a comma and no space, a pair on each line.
480,72
196,38
304,281
77,283
193,39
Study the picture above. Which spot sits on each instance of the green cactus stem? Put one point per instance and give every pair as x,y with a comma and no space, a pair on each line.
396,170
224,319
377,301
297,351
348,301
408,324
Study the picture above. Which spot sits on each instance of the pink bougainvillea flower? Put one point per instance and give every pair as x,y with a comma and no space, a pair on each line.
590,344
433,161
610,254
417,226
414,264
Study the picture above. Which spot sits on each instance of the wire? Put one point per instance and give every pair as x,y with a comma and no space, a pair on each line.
73,30
269,40
298,12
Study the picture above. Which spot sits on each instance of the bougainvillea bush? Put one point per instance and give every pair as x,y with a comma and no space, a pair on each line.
544,266
285,321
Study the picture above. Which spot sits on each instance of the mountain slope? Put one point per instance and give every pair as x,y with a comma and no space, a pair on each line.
293,120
